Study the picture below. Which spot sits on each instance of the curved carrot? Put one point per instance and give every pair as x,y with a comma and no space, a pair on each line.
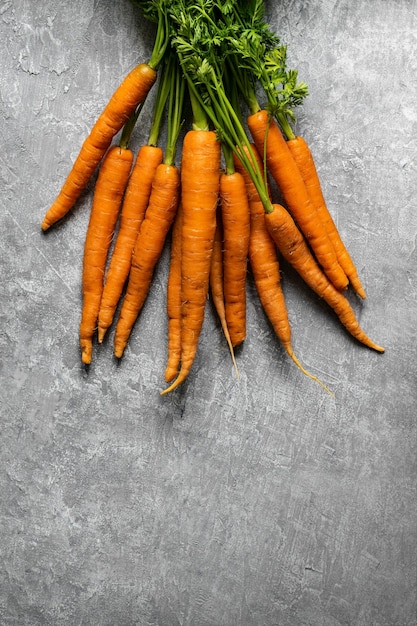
108,194
268,137
159,216
200,173
174,300
236,227
304,159
217,288
266,269
131,92
133,211
294,249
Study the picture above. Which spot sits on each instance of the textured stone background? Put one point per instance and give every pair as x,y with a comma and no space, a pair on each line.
264,503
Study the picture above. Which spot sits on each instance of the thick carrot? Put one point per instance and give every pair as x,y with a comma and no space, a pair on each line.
200,174
108,195
158,219
133,211
294,249
265,267
217,287
174,300
280,163
131,92
236,227
304,159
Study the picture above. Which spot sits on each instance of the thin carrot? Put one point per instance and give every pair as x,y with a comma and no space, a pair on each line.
174,300
133,212
270,141
236,227
108,194
266,269
303,157
159,216
217,286
294,249
200,167
132,91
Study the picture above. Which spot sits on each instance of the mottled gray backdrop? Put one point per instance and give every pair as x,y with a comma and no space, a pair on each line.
259,503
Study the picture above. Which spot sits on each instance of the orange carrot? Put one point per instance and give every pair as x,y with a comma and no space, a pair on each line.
133,211
217,286
159,216
236,226
304,159
200,175
294,249
266,269
174,300
131,92
108,194
270,141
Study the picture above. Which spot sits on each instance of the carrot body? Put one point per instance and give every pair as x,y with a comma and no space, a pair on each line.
159,216
285,172
133,211
200,174
217,287
236,227
294,249
174,301
264,262
266,269
304,159
108,195
131,92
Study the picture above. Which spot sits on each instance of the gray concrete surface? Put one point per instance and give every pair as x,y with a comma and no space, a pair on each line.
263,503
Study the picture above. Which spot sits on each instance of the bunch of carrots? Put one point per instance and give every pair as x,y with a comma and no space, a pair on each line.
212,64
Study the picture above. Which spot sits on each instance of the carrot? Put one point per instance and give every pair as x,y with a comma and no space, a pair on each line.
159,216
217,287
269,139
108,194
236,226
174,300
266,269
133,211
200,167
304,159
294,249
131,92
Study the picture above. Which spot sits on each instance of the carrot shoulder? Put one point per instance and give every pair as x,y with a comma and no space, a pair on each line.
268,137
294,249
133,211
108,194
304,159
131,92
200,173
159,216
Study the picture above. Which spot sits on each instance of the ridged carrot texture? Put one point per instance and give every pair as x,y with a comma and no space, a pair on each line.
265,267
174,300
131,92
303,157
163,203
200,174
107,200
236,227
217,287
134,206
294,249
270,142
